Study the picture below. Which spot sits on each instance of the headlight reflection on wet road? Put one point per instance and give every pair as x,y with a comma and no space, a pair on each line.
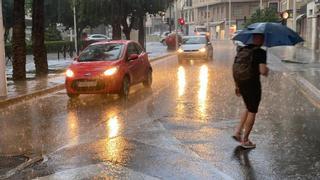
181,81
73,127
202,93
113,127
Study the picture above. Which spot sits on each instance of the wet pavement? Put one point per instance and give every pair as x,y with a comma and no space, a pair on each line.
179,129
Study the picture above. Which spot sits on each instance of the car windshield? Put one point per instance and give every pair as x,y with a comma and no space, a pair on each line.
201,29
101,52
194,40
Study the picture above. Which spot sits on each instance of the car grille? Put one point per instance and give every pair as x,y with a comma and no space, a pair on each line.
193,50
100,85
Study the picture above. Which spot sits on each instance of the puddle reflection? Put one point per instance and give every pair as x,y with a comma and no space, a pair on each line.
113,127
181,81
73,127
202,93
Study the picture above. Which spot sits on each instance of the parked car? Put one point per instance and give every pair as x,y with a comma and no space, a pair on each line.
171,40
163,37
108,68
195,48
98,37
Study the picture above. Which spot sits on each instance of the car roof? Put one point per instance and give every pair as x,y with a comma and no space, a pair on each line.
97,35
114,42
193,36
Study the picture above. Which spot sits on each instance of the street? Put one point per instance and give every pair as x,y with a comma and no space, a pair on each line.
179,129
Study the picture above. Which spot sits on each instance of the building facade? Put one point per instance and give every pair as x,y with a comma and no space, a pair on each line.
215,14
307,20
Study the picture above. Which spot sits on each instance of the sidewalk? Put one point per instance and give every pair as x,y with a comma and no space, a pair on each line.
33,87
303,64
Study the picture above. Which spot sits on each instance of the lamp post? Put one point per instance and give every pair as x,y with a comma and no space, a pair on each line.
207,16
176,24
229,26
75,27
294,16
3,78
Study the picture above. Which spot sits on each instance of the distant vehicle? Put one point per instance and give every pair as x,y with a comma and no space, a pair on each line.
156,34
98,37
163,37
108,67
200,31
171,40
195,48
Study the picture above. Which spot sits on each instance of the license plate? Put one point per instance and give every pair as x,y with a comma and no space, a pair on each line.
87,84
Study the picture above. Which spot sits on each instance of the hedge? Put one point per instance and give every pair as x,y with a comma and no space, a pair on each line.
51,46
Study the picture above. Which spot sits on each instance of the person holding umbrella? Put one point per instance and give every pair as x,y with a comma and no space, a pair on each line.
250,63
252,59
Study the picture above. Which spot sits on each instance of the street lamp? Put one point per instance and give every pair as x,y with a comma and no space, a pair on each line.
75,27
3,78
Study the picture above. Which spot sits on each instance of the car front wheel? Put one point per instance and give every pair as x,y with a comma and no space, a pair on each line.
148,81
72,96
125,88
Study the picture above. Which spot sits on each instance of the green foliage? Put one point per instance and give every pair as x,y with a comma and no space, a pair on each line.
58,11
51,46
264,15
7,10
52,34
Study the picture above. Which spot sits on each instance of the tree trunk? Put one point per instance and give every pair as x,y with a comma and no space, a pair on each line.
116,30
18,42
126,29
38,46
142,36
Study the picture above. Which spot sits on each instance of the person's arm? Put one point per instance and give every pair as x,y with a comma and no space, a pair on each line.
263,69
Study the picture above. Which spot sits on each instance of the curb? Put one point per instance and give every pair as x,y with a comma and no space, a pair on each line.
311,92
7,102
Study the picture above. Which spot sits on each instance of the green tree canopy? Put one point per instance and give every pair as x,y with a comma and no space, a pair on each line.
264,15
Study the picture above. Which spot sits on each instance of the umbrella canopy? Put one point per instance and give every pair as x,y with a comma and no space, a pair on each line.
275,34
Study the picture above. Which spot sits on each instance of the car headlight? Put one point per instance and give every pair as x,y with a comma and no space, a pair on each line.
69,73
202,50
111,71
180,51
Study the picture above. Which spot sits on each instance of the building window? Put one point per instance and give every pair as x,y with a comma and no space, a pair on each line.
237,12
274,5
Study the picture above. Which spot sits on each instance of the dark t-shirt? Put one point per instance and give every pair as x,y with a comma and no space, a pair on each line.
259,57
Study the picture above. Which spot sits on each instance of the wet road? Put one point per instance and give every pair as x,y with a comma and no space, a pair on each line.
179,129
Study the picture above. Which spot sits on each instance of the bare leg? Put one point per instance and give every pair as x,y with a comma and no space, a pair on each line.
242,122
248,125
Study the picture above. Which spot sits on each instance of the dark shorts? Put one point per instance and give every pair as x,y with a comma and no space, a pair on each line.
251,94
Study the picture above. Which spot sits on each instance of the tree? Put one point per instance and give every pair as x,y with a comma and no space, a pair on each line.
7,9
38,46
264,15
19,44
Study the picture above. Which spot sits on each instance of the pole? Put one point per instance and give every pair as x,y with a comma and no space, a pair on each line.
3,78
176,24
170,17
207,16
294,16
261,5
229,26
75,28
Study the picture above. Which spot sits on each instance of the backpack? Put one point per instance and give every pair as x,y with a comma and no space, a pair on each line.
242,67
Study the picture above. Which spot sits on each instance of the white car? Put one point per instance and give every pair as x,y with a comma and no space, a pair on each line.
98,37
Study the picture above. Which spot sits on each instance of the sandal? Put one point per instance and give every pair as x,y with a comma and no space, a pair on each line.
237,138
248,145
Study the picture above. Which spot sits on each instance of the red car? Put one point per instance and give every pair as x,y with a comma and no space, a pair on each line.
108,68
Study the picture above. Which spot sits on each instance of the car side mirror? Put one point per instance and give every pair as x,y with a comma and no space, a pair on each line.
133,57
